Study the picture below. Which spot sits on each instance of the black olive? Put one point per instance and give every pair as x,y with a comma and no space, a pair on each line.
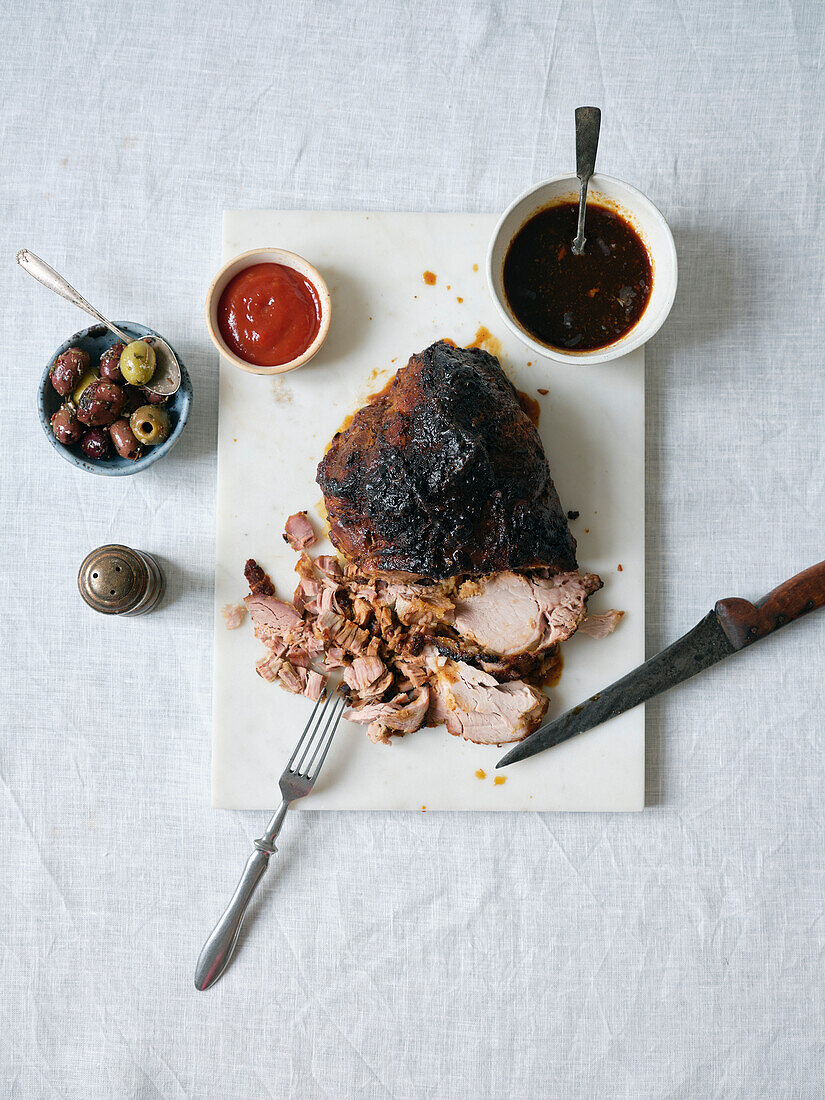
67,369
95,443
101,403
66,428
110,363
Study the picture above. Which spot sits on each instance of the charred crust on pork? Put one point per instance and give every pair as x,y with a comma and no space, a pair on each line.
445,474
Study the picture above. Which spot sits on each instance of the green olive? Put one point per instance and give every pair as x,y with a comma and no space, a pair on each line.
150,424
137,362
86,380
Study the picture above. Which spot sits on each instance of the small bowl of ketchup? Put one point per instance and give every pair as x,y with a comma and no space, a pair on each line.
589,308
268,311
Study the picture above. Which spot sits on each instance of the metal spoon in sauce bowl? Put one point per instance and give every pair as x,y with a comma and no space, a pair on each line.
166,379
588,123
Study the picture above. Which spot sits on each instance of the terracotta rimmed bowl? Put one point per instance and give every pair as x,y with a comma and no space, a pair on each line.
631,204
266,256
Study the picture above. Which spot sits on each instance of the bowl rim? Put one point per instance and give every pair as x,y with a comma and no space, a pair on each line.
639,334
288,259
152,455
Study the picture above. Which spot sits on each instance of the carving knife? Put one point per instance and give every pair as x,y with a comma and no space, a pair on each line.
730,627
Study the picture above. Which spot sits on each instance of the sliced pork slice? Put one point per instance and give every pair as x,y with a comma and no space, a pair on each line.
403,714
272,614
439,709
298,532
275,623
599,626
509,614
478,708
363,673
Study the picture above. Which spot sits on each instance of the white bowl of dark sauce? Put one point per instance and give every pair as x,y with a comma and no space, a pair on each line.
589,308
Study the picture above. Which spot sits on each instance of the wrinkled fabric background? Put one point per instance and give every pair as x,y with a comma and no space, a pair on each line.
677,953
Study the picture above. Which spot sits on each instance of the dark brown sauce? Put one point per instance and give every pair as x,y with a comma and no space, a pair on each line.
553,667
530,406
577,303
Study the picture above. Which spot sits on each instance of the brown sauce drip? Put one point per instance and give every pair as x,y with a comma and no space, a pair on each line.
485,340
530,406
577,303
553,667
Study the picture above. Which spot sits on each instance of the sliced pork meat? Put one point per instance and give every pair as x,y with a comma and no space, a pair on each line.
273,615
325,600
299,657
267,668
339,631
329,566
440,703
599,626
363,673
334,657
293,679
418,604
298,532
467,650
314,685
403,714
233,615
307,590
508,614
475,706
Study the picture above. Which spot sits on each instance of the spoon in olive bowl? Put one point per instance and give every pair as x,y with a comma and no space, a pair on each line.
588,123
166,377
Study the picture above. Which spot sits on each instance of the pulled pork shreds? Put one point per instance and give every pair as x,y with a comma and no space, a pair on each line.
405,713
298,532
599,626
233,614
314,685
294,679
417,653
268,667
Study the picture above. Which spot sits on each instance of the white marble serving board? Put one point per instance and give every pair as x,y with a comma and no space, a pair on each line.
272,433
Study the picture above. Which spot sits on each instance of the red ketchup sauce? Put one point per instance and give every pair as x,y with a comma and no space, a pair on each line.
269,314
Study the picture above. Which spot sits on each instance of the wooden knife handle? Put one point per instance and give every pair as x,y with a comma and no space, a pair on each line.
744,622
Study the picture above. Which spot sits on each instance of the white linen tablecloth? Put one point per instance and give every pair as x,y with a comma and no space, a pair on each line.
677,953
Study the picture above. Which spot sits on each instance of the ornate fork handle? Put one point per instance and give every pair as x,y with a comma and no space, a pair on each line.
217,951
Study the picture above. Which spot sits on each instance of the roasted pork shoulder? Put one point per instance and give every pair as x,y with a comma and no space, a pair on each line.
459,581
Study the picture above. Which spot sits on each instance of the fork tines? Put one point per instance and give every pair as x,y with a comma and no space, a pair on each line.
318,733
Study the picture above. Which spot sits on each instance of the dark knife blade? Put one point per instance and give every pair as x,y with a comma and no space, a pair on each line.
700,648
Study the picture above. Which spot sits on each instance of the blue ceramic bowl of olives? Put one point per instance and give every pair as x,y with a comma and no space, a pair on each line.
94,341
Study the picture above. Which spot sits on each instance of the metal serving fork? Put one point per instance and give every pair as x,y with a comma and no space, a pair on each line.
297,781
